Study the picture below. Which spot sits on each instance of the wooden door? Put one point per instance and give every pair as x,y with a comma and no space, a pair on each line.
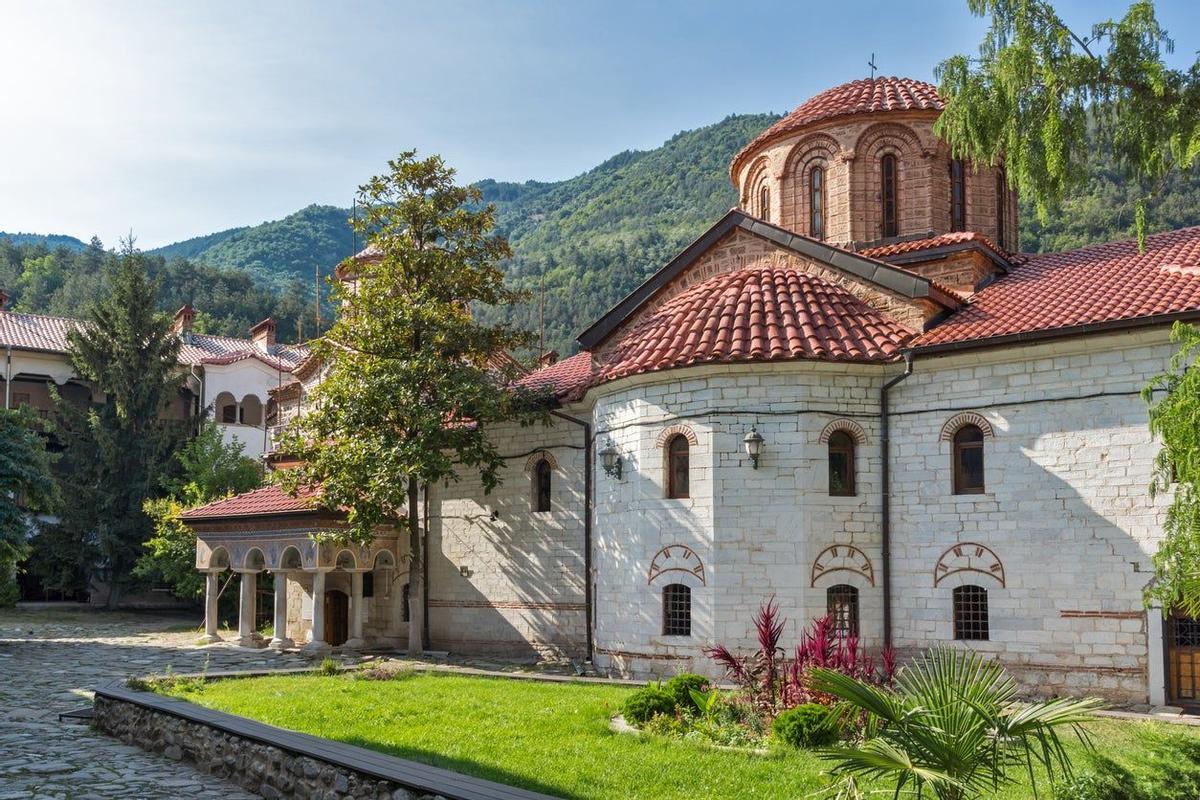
337,617
1183,660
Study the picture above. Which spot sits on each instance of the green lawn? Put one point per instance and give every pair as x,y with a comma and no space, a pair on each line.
552,738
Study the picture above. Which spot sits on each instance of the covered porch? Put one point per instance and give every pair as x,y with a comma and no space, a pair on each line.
328,592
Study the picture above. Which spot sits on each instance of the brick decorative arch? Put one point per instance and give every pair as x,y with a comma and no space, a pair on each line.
966,418
842,558
848,425
887,135
874,143
755,174
541,455
678,560
968,557
669,433
818,149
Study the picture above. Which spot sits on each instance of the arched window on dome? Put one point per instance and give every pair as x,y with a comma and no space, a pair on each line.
888,196
816,202
764,202
958,196
1001,205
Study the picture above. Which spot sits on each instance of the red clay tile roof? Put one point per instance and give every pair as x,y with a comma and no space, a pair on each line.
863,96
567,379
756,314
1103,283
928,243
39,332
264,501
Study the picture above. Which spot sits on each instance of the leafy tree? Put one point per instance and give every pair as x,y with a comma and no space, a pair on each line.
952,726
411,390
1037,87
1175,421
26,487
119,451
210,470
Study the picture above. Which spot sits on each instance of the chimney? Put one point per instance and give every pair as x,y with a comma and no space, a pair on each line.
263,334
3,300
183,320
547,358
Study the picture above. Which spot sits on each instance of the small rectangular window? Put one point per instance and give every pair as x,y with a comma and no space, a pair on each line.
970,613
677,610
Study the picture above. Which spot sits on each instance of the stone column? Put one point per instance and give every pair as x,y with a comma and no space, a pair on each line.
212,589
316,640
280,640
247,635
356,611
1156,656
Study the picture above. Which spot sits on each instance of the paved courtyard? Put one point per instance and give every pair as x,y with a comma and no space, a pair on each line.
50,656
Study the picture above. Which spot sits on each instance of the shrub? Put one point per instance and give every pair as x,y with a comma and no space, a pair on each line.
644,704
680,687
329,666
808,725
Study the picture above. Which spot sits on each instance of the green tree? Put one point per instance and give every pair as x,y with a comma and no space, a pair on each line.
411,389
1175,421
119,451
210,470
953,726
1029,98
26,487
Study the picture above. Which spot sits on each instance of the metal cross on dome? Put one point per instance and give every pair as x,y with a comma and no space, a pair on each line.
871,64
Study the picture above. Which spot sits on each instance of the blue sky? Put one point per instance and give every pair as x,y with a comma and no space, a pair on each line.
174,120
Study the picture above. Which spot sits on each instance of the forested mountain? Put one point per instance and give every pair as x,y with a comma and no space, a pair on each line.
588,240
51,240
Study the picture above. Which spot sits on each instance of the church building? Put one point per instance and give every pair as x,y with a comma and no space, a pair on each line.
853,393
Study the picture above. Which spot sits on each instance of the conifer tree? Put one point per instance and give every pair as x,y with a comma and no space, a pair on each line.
26,487
119,450
413,384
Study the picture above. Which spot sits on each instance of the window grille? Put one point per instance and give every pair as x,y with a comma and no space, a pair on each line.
841,603
970,613
677,610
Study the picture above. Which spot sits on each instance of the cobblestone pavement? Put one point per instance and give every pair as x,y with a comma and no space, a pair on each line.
50,656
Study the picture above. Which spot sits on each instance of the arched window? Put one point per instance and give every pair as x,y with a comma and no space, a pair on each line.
541,486
1001,206
405,614
958,196
841,465
764,202
677,610
677,466
841,604
816,203
967,464
970,613
887,195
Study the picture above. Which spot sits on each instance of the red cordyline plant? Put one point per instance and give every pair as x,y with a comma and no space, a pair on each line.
773,683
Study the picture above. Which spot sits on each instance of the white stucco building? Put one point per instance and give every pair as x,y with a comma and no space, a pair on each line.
852,393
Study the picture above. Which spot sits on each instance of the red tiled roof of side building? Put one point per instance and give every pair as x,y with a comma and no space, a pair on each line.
930,242
567,379
1105,283
868,95
268,500
757,314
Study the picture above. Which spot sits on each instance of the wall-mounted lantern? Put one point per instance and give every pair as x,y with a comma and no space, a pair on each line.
753,442
611,460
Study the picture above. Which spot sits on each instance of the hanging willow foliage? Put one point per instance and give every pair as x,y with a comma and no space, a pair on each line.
1039,95
1175,421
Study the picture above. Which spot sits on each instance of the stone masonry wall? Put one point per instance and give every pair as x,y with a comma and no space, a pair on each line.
505,579
260,768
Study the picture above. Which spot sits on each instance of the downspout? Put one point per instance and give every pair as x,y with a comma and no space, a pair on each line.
8,378
587,523
885,500
199,410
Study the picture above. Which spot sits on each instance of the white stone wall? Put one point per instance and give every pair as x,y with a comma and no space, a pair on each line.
1066,510
755,532
504,579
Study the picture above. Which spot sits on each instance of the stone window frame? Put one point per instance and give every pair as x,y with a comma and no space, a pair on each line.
666,439
950,433
677,610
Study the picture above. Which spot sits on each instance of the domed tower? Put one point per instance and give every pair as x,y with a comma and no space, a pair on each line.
859,166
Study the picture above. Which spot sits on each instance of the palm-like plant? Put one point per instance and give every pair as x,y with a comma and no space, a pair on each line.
952,727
